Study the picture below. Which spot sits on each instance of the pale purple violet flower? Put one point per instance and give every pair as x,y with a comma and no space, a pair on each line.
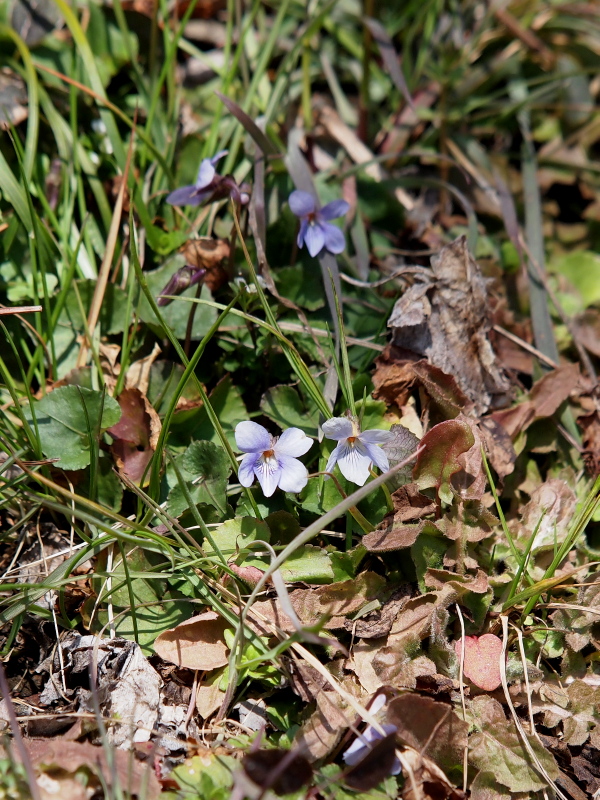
315,229
362,744
209,186
274,461
355,451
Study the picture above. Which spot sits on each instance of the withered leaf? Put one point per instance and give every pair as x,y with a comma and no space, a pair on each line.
447,321
208,253
374,767
135,434
443,390
209,696
544,399
410,504
392,534
430,726
426,778
497,747
197,643
73,756
323,730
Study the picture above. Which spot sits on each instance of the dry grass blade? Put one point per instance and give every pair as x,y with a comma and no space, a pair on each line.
111,243
539,767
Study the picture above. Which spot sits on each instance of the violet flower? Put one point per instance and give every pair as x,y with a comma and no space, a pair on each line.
362,744
315,229
273,460
355,451
209,186
182,279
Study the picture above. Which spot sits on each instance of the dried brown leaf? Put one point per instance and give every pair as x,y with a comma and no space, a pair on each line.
431,727
209,696
447,321
209,254
68,757
197,643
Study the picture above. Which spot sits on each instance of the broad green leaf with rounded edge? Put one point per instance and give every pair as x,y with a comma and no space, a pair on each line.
283,405
64,418
233,535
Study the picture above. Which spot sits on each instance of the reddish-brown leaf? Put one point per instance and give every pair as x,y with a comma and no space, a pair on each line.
482,660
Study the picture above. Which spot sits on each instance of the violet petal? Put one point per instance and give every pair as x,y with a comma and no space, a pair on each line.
250,437
314,239
333,210
334,239
301,203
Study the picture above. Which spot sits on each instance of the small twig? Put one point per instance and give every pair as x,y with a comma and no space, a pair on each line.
526,346
5,311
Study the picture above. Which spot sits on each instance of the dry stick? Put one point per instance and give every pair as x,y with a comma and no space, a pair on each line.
14,724
111,243
19,310
526,346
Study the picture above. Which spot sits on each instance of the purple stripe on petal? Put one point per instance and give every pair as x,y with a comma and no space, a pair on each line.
333,210
354,463
334,239
301,203
268,473
294,475
315,239
337,451
250,437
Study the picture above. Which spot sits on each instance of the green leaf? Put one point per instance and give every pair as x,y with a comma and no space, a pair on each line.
309,564
283,405
498,749
206,468
63,417
233,535
428,553
206,777
303,285
229,407
582,269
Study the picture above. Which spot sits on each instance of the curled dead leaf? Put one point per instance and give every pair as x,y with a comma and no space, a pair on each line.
135,434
